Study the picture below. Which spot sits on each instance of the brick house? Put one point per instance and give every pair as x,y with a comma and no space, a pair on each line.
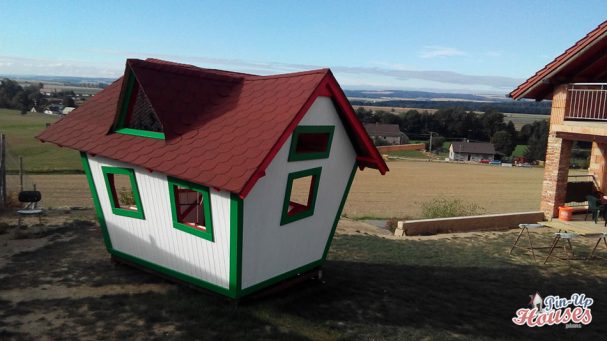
576,81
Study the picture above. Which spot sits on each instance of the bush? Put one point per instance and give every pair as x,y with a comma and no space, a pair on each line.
445,208
126,196
392,224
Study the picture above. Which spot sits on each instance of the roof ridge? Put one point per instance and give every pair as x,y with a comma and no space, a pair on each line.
289,75
580,44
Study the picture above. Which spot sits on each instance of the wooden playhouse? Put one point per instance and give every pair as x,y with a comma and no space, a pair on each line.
228,181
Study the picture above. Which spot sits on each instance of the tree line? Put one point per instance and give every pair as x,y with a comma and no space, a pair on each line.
14,96
521,107
457,123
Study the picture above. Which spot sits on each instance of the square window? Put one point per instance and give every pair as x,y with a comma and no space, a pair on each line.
300,195
311,142
121,185
191,208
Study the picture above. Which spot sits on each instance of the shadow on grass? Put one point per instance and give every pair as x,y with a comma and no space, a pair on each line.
374,289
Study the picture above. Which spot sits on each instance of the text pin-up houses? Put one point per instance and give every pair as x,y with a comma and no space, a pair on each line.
228,181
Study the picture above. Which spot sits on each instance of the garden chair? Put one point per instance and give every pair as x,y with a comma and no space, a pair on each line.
595,207
30,201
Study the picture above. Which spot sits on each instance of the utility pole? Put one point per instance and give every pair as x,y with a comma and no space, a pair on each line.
430,142
2,170
21,173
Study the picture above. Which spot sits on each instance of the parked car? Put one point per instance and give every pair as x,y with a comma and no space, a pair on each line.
495,163
485,161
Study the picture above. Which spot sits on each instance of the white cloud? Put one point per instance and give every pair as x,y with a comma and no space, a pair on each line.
432,51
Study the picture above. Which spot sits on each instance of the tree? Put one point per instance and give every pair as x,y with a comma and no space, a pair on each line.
538,141
503,142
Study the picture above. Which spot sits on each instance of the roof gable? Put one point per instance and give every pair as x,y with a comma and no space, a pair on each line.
222,128
473,147
383,129
585,61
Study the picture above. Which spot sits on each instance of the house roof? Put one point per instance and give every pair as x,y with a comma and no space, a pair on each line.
585,61
375,129
222,129
473,147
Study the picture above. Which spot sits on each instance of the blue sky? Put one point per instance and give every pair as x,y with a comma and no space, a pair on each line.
472,46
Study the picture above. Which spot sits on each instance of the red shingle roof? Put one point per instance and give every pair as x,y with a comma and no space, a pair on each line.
586,58
222,128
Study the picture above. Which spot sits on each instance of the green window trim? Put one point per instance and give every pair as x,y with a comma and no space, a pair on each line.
111,191
298,156
124,109
287,218
206,200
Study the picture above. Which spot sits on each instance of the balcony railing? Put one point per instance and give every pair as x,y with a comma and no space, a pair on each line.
586,101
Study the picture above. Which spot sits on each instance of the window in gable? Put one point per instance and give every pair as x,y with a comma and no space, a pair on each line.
121,185
311,142
137,116
191,208
300,195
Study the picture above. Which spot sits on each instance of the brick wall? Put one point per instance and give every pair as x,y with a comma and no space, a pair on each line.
556,170
413,146
597,164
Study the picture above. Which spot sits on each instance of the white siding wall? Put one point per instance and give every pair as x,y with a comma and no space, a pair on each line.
270,249
155,240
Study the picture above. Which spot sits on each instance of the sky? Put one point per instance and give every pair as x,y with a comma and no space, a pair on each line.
452,46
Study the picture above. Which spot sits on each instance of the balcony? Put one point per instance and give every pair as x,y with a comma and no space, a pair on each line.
586,101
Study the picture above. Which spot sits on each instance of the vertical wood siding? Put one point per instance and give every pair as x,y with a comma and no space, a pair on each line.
270,249
155,240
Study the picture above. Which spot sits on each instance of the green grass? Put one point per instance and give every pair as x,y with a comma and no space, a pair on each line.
37,156
519,150
414,154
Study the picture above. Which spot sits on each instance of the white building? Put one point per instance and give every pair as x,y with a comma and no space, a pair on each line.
471,151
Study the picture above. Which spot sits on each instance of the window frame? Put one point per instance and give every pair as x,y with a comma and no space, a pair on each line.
124,113
305,129
315,173
113,195
206,201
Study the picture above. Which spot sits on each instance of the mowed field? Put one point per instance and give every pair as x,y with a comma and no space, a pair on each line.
37,156
397,194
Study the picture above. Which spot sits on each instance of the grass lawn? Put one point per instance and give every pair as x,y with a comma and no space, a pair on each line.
63,286
20,131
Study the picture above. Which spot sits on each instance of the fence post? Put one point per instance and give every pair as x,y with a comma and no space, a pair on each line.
21,173
2,170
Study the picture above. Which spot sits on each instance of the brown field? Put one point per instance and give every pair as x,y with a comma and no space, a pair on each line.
400,192
396,109
397,194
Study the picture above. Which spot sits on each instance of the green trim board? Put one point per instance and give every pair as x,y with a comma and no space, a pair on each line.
236,235
281,277
294,155
142,133
339,210
123,113
89,177
108,173
206,202
287,218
